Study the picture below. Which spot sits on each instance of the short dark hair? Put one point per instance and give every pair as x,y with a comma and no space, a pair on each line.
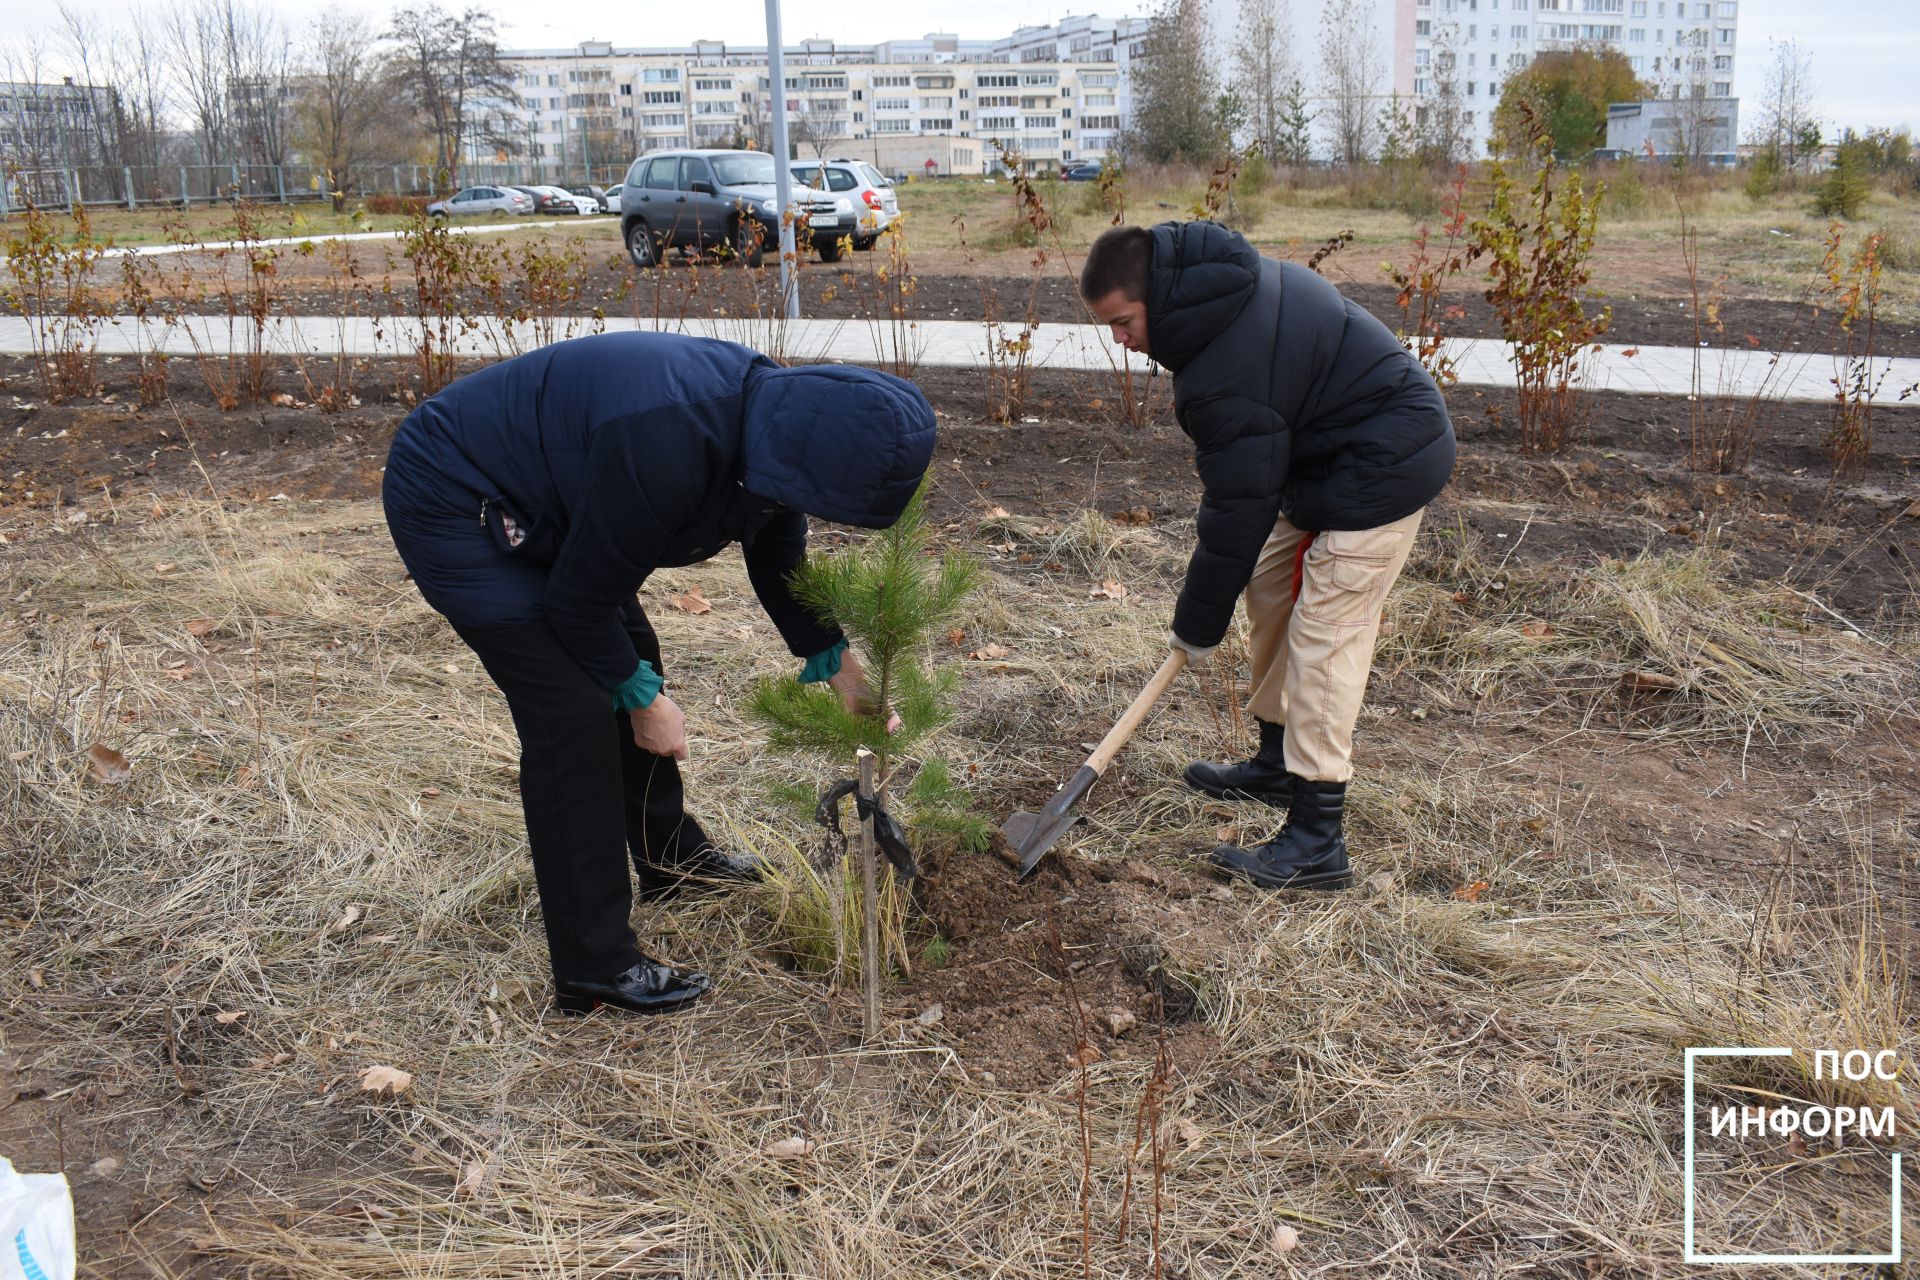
1118,259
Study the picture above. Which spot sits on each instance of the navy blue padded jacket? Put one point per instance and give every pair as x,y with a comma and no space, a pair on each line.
552,484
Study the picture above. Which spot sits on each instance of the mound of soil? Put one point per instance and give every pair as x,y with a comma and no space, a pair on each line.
1124,938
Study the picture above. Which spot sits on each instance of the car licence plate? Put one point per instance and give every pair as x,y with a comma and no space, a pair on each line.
828,220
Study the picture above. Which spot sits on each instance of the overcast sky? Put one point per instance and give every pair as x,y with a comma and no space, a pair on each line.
1864,51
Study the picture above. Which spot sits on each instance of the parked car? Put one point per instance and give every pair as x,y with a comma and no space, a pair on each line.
587,191
861,192
1083,172
552,200
612,196
482,200
695,200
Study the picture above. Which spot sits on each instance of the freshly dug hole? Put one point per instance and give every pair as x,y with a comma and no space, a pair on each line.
1127,929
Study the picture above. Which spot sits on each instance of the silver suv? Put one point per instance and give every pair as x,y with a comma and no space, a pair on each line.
863,198
696,200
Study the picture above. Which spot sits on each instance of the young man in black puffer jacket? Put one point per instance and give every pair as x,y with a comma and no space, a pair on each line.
1319,441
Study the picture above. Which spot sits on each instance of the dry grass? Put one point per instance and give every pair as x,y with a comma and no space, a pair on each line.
320,830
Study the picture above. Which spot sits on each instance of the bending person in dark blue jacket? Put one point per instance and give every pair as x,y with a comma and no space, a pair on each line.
530,500
1319,441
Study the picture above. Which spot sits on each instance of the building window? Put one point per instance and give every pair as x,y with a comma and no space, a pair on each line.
1423,26
1637,36
937,124
1726,35
893,126
1722,88
661,75
660,97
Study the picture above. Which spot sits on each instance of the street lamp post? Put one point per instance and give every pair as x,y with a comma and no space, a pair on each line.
782,176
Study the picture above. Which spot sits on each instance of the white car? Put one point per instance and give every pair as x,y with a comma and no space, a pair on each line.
482,200
861,194
613,197
582,205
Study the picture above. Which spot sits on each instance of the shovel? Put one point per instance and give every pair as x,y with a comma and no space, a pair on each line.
1032,834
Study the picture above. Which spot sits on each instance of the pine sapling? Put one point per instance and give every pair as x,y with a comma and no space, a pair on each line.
891,594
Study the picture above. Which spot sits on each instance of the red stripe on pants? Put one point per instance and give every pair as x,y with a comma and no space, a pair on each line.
1300,564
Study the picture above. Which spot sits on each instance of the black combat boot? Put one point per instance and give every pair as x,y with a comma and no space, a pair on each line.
1263,778
1309,853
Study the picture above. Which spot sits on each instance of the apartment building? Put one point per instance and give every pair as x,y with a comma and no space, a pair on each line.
1054,94
1682,48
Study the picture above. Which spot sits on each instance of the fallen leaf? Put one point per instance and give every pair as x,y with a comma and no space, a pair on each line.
997,513
18,756
1119,1021
1227,835
690,601
990,653
37,979
788,1149
277,1060
1380,883
104,1167
1285,1239
1630,352
452,668
930,1015
1109,589
473,1176
164,566
107,765
347,919
429,792
1135,515
743,633
1086,1057
1471,892
1914,511
1186,1131
385,1080
178,673
956,636
284,400
1537,630
230,1017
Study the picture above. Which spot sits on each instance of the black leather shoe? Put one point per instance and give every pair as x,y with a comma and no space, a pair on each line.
695,860
1309,853
1263,778
648,987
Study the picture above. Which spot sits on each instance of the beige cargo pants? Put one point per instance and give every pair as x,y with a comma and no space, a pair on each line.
1314,609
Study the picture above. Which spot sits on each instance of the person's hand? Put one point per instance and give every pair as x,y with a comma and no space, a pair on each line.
660,728
856,695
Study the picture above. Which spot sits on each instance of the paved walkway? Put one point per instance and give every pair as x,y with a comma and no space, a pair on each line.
280,242
1483,362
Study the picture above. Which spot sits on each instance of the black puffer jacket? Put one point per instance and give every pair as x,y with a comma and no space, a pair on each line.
1296,400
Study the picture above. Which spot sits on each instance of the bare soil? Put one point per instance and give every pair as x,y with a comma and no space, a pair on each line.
1621,488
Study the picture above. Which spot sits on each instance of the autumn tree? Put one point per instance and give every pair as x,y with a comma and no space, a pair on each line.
1263,66
1786,104
1176,98
344,95
1568,92
1351,70
448,65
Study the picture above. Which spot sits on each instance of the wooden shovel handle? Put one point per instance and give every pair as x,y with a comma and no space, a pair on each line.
1130,718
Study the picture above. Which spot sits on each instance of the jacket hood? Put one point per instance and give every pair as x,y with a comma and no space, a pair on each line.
1202,275
842,443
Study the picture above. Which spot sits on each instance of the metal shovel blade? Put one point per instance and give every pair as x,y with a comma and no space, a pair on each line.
1032,834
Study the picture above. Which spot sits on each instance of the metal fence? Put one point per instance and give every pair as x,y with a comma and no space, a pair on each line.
179,186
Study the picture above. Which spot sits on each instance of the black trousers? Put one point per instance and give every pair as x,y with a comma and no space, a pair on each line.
592,798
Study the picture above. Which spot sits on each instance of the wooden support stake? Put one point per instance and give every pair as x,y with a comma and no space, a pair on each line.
869,903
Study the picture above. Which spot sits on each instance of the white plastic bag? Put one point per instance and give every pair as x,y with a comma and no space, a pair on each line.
36,1225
